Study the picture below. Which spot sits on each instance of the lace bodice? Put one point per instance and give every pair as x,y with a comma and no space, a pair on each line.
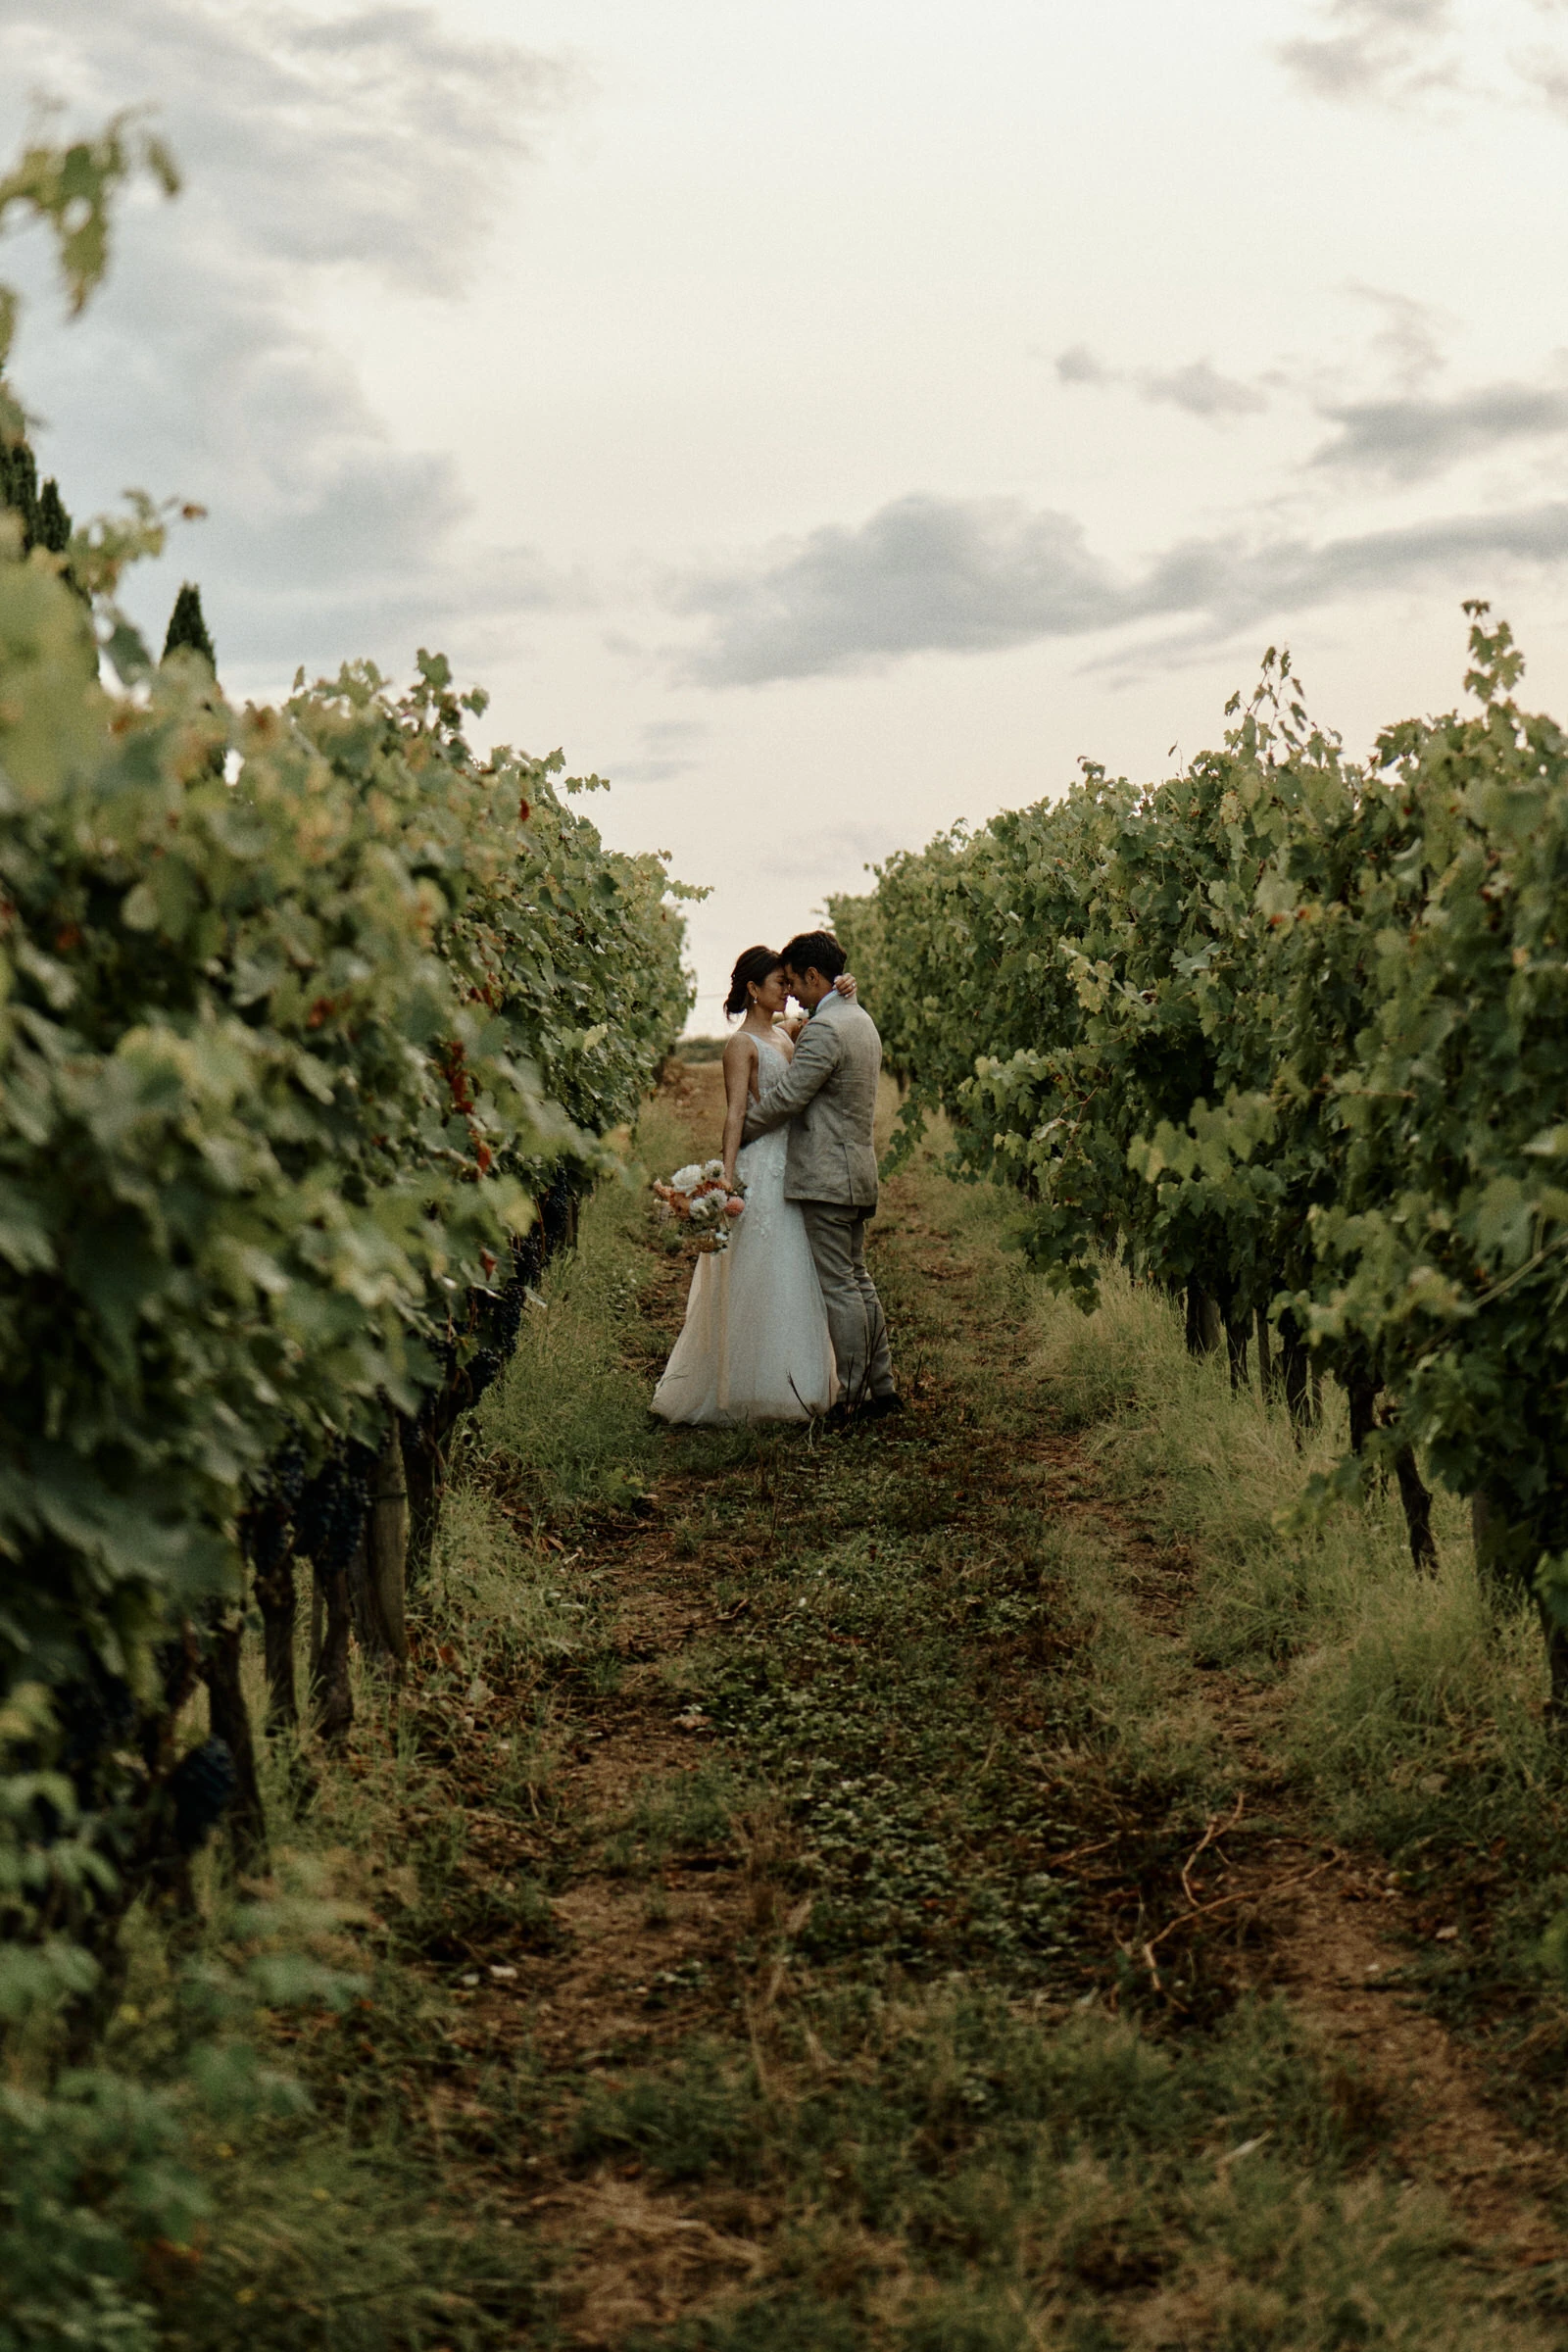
762,1162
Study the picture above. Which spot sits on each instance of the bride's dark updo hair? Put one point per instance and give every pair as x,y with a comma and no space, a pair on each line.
752,967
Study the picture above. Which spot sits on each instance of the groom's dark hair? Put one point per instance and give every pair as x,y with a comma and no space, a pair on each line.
814,952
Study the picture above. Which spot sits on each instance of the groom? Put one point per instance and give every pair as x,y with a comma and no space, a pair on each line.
828,1095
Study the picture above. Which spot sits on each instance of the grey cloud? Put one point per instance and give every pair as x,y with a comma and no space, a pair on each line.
1204,392
1408,440
1545,75
1390,50
363,564
377,140
377,136
930,574
666,748
1384,49
1549,75
1407,341
925,572
1199,387
1079,365
1228,584
841,853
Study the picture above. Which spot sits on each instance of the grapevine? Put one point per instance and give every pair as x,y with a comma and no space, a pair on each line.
1283,1032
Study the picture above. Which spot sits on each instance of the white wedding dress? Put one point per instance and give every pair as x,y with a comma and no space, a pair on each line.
754,1345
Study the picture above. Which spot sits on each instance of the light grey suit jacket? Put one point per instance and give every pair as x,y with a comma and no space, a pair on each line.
829,1095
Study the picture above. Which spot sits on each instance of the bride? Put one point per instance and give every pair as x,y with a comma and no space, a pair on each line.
754,1345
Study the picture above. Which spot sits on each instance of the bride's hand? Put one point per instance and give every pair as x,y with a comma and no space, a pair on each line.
847,986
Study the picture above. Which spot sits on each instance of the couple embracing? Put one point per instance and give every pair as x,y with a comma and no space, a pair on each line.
785,1324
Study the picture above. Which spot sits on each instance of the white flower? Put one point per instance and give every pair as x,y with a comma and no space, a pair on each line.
714,1167
684,1179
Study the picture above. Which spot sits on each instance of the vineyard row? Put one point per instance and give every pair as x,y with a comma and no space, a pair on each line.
314,1025
1288,1033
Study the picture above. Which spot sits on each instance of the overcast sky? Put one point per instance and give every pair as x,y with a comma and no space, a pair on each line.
830,421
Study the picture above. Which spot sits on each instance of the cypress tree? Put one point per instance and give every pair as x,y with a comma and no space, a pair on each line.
18,488
52,527
45,520
186,627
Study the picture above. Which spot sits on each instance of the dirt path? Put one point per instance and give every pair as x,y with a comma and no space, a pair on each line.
1331,1930
833,1767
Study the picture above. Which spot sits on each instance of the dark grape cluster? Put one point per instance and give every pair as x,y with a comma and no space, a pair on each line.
506,1318
331,1509
201,1784
286,1474
555,1214
95,1712
528,1257
265,1524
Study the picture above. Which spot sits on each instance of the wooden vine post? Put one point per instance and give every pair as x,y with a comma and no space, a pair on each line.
331,1692
229,1719
378,1577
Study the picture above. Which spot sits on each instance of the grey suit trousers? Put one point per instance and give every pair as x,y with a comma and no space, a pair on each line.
856,1322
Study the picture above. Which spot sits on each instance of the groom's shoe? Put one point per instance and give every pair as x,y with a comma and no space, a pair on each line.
837,1416
881,1408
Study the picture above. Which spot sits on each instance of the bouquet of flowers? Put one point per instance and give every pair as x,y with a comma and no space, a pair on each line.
699,1198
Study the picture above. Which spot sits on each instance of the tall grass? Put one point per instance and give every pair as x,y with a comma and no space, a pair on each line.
567,1421
952,2177
363,2211
1409,1702
503,1595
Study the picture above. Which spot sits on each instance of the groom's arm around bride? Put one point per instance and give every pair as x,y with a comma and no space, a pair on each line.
828,1095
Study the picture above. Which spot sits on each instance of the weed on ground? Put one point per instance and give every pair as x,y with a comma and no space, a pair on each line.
982,1881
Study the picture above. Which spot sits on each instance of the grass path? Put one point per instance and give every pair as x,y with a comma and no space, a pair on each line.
901,1764
876,1891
